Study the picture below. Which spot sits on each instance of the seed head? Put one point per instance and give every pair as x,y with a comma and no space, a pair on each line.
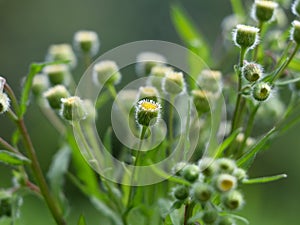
252,71
245,36
264,11
55,94
295,31
261,91
106,73
174,83
147,112
86,42
73,109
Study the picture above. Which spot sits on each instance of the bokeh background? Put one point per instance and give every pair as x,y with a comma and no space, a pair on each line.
28,27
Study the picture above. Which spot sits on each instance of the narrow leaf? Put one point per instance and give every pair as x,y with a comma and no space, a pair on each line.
237,8
81,220
13,159
261,180
287,82
255,149
226,143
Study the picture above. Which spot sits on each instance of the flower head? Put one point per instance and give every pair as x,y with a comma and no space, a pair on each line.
245,36
295,31
263,11
252,71
55,94
4,103
296,8
225,182
148,92
174,83
146,61
62,52
87,42
106,73
261,91
147,112
57,74
73,109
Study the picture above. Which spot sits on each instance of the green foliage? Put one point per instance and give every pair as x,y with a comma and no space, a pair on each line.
13,159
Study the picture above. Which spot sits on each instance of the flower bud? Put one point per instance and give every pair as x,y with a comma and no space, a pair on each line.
148,92
210,80
57,74
225,165
106,73
245,36
2,83
210,216
261,91
225,182
252,71
202,192
200,101
295,31
40,84
174,83
86,42
181,192
62,52
157,75
73,109
233,200
4,103
207,166
177,169
147,112
263,11
191,172
146,61
240,174
55,94
296,8
225,221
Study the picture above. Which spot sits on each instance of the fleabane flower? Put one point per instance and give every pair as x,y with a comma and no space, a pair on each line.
62,52
174,83
146,61
86,42
264,11
106,72
147,112
73,109
245,36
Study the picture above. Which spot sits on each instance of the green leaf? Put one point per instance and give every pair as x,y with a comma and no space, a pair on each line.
261,180
237,8
13,159
287,82
226,143
251,153
81,220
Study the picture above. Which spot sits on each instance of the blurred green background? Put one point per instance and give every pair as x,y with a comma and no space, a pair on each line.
28,27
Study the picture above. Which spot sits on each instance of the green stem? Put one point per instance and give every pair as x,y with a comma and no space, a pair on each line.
37,172
257,49
285,52
136,163
87,60
237,8
188,212
8,146
112,90
285,64
12,97
171,120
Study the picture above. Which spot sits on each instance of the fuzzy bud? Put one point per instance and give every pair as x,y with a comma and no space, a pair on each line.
4,103
296,8
191,172
225,182
207,166
157,75
233,200
210,80
146,61
263,11
86,42
147,112
200,101
73,109
245,36
210,216
240,174
106,73
181,192
177,169
62,52
55,94
202,192
225,165
295,31
148,92
261,91
40,84
252,71
57,74
174,83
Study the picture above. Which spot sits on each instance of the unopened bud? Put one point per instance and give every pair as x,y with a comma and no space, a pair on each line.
233,200
261,91
157,75
146,61
174,83
106,73
57,74
55,94
202,192
4,103
295,31
40,84
296,8
207,166
86,42
148,92
201,102
62,52
210,80
191,172
181,192
73,109
225,221
252,71
263,11
245,36
210,216
225,165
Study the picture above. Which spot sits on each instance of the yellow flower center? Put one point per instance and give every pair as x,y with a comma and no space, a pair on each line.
149,106
226,185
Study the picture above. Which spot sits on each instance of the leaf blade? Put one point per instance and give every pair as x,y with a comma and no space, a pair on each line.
261,180
13,159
